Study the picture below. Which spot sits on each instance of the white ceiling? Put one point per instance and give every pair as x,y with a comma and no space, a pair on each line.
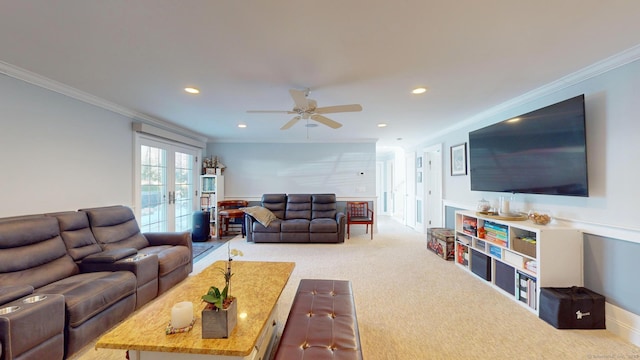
245,55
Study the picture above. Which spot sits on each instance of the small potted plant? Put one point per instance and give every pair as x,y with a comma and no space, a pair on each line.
220,315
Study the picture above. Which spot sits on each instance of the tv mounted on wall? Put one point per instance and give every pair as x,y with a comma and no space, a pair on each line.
541,152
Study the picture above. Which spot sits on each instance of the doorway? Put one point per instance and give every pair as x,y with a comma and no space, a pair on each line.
166,176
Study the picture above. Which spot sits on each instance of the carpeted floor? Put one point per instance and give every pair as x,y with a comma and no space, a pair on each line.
411,304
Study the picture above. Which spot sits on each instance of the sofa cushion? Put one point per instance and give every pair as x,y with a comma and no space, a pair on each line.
76,234
263,215
33,253
298,207
323,206
86,295
323,225
115,227
12,292
170,257
274,227
295,225
276,203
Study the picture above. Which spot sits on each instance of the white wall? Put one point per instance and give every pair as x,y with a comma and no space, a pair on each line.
59,153
613,150
609,213
255,169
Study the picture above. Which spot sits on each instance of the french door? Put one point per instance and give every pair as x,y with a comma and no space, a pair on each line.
166,183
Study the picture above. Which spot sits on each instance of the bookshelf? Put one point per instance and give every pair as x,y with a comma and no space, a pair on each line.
211,191
517,258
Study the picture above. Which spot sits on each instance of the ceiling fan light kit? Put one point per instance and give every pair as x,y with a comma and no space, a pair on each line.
306,109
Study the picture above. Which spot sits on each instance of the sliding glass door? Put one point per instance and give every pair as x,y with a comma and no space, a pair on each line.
166,184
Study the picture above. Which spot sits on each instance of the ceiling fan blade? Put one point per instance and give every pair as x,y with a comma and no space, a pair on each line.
338,108
326,121
270,112
299,98
290,123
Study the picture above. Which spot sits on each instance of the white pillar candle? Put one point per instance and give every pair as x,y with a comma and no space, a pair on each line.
504,205
181,314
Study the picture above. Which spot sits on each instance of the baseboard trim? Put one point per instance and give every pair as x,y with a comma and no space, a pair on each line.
623,323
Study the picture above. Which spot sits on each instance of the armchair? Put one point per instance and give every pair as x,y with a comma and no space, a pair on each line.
358,213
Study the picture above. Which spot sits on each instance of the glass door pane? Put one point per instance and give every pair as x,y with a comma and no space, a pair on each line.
153,189
184,191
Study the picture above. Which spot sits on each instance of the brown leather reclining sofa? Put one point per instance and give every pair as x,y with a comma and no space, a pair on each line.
67,277
299,218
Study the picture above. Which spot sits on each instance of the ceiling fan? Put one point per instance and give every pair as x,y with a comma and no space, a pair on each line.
306,109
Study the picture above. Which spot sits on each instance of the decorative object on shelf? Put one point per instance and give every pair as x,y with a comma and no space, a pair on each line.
539,217
220,315
483,206
512,217
506,207
459,159
212,166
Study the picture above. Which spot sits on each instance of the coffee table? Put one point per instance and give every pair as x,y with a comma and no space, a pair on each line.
257,286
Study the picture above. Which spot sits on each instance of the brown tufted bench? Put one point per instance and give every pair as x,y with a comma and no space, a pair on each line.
322,323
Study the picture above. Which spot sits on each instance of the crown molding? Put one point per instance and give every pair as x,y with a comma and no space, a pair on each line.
60,88
623,58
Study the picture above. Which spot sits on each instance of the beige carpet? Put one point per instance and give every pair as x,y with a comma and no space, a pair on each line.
413,305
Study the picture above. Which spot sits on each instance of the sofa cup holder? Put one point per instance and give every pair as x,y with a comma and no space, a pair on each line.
9,309
136,257
34,299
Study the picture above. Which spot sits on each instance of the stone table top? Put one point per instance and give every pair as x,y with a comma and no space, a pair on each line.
257,287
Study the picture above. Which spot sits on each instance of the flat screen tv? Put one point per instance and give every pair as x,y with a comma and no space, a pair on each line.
541,152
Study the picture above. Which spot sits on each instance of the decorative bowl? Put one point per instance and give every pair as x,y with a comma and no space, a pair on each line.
540,217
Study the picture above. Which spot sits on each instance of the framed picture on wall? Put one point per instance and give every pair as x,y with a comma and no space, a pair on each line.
459,159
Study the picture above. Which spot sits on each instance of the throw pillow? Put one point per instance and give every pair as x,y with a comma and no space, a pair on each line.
263,215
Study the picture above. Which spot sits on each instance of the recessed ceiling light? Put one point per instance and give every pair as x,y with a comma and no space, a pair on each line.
381,125
419,90
192,90
242,126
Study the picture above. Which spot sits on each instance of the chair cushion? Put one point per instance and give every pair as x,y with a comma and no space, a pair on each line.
116,227
274,227
33,253
298,207
323,206
170,257
86,295
277,203
323,225
295,225
76,234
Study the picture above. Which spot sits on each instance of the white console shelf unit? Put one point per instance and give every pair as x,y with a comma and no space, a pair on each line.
212,187
555,260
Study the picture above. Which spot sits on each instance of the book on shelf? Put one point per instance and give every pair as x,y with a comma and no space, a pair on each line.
527,290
